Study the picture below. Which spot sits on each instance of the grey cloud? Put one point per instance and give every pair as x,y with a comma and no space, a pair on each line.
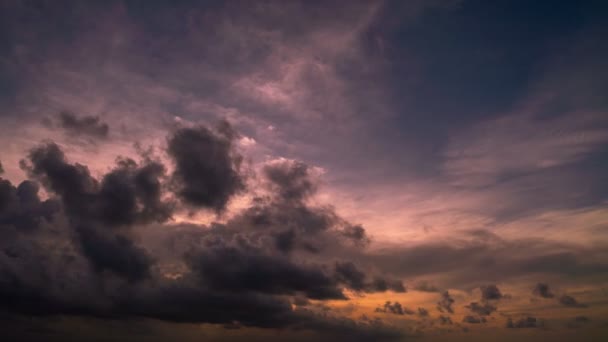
231,275
445,303
570,301
473,319
542,290
235,269
443,320
128,194
394,308
21,208
206,171
292,179
490,292
525,322
349,274
85,125
484,309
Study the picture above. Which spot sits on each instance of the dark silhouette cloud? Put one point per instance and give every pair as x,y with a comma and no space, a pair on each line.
422,312
86,125
484,309
525,322
21,208
443,320
395,308
348,273
542,290
206,171
473,319
238,273
128,194
490,292
292,179
225,268
445,303
570,301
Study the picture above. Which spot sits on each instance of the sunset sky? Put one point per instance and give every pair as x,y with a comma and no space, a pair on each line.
416,170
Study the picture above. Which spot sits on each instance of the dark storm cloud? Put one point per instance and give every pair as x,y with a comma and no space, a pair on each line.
247,269
355,279
356,233
490,292
292,179
473,319
570,301
443,320
127,195
115,252
525,322
395,308
422,312
85,125
206,166
244,272
21,208
542,290
484,309
445,303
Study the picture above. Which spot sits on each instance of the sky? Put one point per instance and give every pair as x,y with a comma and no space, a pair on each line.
303,170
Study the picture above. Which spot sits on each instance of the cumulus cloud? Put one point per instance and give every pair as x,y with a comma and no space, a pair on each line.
484,309
395,308
206,171
570,301
248,269
490,292
445,303
473,319
542,290
86,125
525,322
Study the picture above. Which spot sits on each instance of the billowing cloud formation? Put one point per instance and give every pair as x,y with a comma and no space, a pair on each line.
484,309
570,301
395,308
445,303
206,166
473,319
490,292
542,290
86,125
20,207
525,322
245,271
99,211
